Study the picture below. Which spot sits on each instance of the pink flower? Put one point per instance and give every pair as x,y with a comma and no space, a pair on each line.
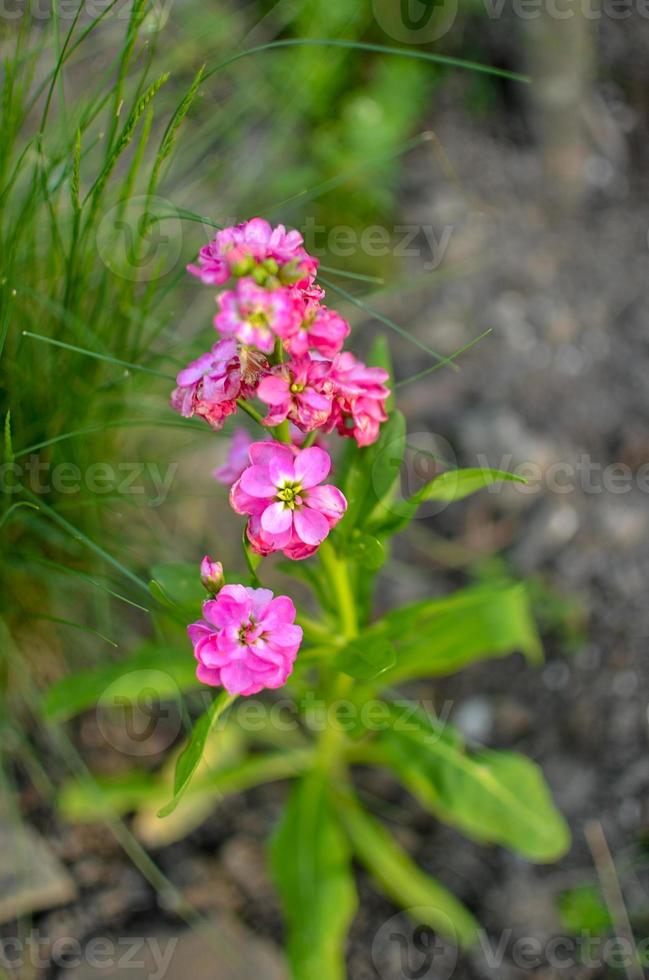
246,641
256,315
209,386
321,328
289,511
211,574
212,269
359,399
255,246
297,390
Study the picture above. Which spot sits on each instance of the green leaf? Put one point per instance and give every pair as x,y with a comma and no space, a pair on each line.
169,671
381,356
495,797
440,636
365,663
190,757
373,472
583,909
402,881
450,486
367,550
178,584
93,800
310,861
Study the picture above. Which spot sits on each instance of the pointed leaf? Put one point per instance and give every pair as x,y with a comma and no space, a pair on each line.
189,759
402,880
496,797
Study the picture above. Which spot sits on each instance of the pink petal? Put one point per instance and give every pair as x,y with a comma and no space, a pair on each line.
328,500
281,470
256,482
261,453
237,678
272,389
276,518
209,675
278,612
311,526
312,466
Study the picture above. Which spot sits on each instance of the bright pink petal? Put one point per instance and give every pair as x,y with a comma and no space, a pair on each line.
312,466
273,389
256,482
276,518
281,470
328,500
310,526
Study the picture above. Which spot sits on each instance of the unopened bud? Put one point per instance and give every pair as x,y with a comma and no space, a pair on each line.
212,574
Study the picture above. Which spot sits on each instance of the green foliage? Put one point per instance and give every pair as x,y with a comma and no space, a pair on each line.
495,797
154,667
582,909
91,335
401,879
191,756
311,863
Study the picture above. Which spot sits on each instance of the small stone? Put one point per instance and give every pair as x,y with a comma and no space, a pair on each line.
475,717
31,877
556,675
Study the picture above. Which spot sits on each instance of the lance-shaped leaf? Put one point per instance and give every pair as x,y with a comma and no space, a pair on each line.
440,636
189,759
310,859
495,797
392,516
400,878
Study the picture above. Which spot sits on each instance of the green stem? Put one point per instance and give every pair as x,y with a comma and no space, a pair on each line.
310,439
338,573
282,432
332,739
252,412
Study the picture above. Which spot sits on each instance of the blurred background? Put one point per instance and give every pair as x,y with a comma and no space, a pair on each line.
453,210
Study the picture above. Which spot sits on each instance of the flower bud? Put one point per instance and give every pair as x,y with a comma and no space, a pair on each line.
212,574
243,266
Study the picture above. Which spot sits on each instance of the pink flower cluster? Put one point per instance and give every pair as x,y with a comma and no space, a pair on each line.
280,344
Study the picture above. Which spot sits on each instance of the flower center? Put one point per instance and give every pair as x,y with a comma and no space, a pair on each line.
290,495
249,633
296,388
258,319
